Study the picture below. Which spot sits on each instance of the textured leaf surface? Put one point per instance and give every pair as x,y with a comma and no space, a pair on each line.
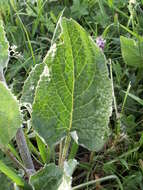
74,92
50,177
69,167
10,118
31,84
4,52
132,52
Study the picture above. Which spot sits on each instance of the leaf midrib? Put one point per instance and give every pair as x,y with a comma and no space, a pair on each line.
73,82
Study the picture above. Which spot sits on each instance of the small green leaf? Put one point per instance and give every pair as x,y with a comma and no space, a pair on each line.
50,177
4,48
132,51
74,94
31,84
42,148
73,150
10,117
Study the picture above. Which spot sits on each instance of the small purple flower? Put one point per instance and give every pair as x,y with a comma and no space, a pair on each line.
100,42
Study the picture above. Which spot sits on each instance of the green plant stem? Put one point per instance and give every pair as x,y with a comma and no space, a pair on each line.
65,149
14,152
92,154
125,98
91,159
11,174
132,13
15,161
60,152
113,93
99,180
118,118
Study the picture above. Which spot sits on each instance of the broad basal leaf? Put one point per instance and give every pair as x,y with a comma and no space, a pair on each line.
4,52
132,51
31,84
74,93
10,118
50,177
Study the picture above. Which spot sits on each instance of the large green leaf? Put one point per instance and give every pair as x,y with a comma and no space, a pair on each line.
50,177
74,93
132,51
31,84
4,46
10,118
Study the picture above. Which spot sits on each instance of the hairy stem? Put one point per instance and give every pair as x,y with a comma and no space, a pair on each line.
65,149
60,152
24,151
15,161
